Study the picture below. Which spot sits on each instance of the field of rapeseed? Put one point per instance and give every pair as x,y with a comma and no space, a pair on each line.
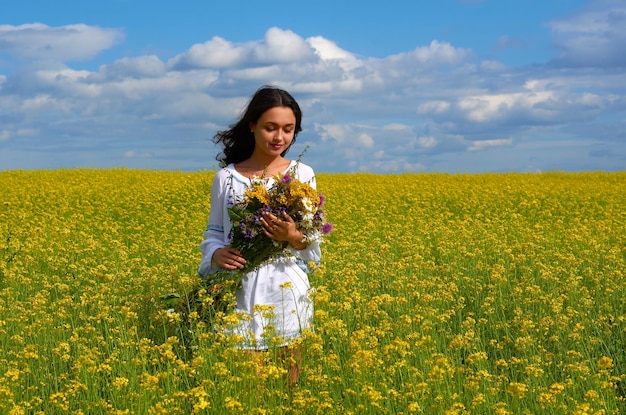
438,294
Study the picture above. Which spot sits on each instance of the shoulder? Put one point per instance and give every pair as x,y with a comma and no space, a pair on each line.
223,173
221,178
304,172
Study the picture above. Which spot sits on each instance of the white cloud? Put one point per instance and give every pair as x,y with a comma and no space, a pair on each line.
436,53
215,53
483,144
138,154
488,108
40,42
336,132
397,127
140,67
282,46
328,51
411,167
44,102
427,142
557,106
441,52
366,140
278,47
595,36
433,107
492,66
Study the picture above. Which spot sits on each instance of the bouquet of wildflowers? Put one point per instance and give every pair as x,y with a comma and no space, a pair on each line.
288,195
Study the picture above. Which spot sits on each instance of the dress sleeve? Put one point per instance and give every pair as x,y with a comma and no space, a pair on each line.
214,235
312,253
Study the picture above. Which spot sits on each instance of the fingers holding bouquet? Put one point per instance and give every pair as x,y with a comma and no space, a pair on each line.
228,258
279,228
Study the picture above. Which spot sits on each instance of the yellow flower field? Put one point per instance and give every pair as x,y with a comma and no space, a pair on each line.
437,294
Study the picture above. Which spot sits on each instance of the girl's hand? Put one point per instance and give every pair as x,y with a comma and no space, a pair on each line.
281,229
228,258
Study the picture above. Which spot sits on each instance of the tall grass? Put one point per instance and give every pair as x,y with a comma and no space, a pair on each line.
451,294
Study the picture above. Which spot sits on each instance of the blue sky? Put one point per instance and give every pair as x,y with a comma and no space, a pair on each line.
388,87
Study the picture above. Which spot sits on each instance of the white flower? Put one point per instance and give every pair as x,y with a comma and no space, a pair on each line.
308,205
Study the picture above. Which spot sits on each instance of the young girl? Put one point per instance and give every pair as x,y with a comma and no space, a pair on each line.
255,147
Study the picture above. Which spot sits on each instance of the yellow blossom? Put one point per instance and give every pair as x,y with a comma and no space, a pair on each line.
605,363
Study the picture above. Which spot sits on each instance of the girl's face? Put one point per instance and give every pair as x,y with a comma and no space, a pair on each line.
274,131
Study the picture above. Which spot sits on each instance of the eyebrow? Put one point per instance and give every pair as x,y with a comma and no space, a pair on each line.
275,123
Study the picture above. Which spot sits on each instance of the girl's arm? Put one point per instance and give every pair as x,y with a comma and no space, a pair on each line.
214,235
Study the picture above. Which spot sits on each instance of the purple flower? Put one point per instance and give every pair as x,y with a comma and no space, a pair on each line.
286,179
321,199
327,228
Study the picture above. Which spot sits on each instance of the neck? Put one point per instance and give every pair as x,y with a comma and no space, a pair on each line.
261,166
262,162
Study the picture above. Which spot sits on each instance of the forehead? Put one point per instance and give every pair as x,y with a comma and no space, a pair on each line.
278,115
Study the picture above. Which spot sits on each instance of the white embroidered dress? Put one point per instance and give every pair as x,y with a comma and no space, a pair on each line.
281,286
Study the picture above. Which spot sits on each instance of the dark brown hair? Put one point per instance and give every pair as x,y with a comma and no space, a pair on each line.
238,140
